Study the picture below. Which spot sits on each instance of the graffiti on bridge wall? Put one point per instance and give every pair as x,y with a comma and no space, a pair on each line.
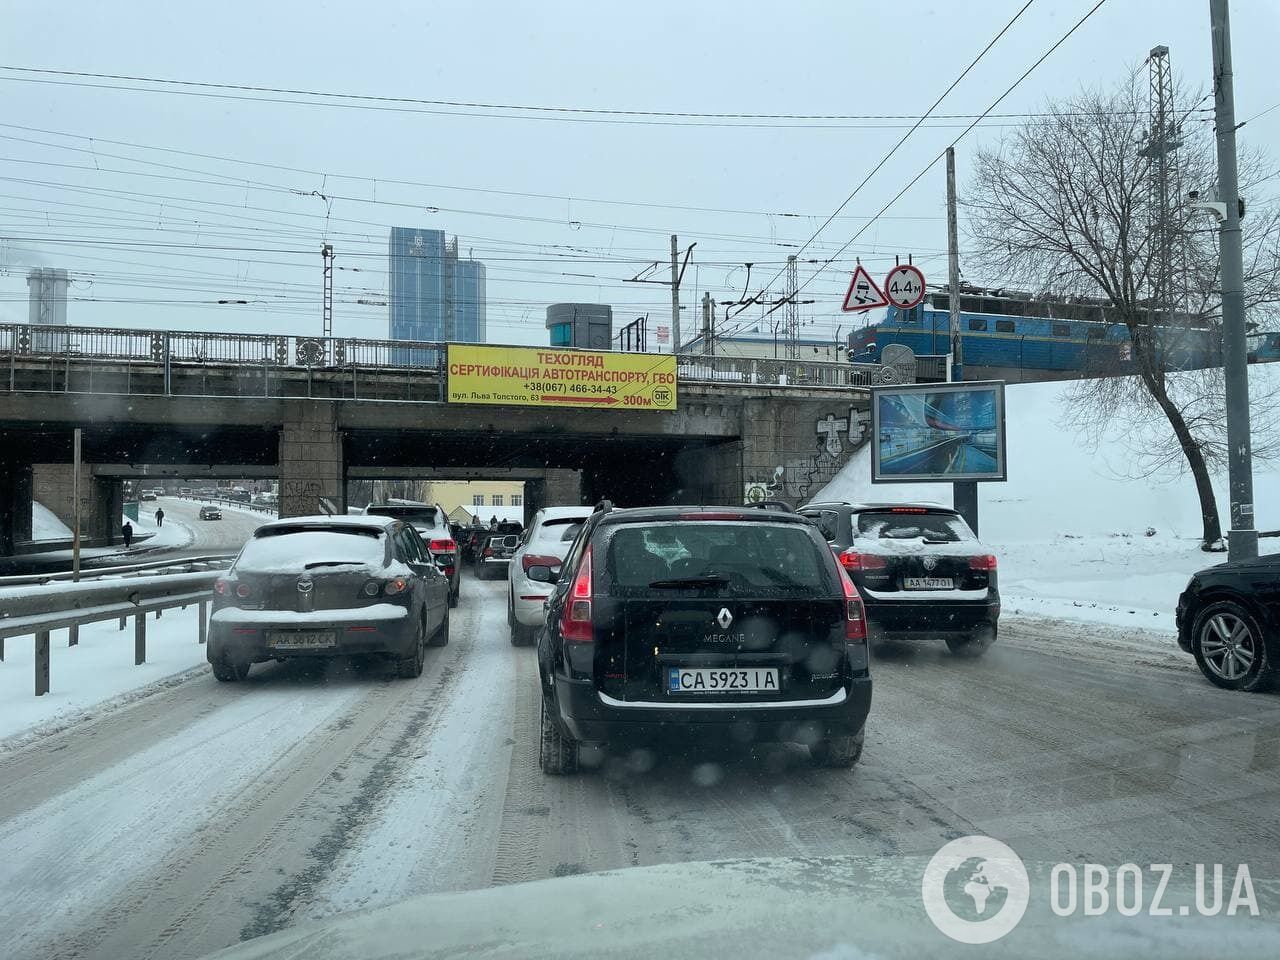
799,479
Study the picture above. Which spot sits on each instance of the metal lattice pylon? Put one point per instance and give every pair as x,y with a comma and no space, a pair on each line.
793,310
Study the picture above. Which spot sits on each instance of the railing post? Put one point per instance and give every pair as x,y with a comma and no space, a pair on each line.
168,381
42,663
204,621
73,635
123,621
140,638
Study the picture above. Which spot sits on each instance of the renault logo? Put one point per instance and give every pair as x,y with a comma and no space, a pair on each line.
305,585
724,618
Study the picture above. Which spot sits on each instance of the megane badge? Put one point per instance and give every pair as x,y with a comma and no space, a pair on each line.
724,618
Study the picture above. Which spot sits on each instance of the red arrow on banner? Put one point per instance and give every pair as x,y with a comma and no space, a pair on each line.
863,294
608,401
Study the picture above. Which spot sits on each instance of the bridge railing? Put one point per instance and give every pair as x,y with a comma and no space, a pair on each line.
160,350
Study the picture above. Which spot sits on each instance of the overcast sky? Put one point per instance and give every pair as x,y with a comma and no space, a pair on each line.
159,243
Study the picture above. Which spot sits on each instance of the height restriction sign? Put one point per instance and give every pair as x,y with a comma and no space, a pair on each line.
904,286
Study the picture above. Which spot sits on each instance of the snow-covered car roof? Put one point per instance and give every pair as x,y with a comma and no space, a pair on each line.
370,521
559,513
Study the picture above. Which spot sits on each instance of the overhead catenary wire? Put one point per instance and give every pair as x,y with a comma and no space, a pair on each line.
914,180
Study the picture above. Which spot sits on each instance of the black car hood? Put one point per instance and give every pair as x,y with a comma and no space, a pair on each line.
837,907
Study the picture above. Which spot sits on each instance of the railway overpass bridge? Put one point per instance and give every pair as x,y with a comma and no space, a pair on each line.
317,412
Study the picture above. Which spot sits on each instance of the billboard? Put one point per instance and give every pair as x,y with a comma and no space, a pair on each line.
937,431
549,377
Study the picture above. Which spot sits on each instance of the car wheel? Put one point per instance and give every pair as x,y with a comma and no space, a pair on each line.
410,667
229,672
441,636
455,593
838,751
971,644
557,753
1229,647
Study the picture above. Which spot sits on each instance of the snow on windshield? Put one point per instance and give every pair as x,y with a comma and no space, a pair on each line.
937,527
289,550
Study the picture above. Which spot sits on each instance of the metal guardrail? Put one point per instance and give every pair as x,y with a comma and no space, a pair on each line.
153,568
168,362
227,502
71,606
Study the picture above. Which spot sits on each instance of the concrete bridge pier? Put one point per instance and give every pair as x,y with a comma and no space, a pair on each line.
101,499
312,465
15,505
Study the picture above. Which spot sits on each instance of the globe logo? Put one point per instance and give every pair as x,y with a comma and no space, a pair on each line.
975,889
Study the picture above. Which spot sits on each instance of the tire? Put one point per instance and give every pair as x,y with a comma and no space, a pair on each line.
1230,648
455,594
842,752
972,645
410,667
441,637
557,753
230,672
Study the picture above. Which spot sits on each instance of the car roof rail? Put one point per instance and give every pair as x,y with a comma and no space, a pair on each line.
604,506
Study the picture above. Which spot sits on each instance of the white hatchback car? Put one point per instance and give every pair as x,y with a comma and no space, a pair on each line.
535,567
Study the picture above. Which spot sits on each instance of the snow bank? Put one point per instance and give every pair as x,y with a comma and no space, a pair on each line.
95,675
45,524
1070,523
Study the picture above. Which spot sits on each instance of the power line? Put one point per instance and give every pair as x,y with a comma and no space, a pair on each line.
453,107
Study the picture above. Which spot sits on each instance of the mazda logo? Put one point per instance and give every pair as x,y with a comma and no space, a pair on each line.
304,586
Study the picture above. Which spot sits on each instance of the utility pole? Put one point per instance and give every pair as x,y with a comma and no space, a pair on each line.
1242,539
675,297
953,270
793,310
75,498
964,493
707,321
326,254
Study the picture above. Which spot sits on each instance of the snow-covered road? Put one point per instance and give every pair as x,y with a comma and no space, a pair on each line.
209,813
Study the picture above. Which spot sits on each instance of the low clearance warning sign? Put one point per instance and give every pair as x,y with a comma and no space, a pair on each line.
550,378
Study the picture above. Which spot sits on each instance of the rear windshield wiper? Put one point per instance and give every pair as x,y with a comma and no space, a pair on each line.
676,583
332,563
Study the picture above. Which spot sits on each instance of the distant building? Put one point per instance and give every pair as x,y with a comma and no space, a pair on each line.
47,306
432,295
588,326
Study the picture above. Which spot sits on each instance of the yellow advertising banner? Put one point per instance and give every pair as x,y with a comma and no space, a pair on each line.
549,377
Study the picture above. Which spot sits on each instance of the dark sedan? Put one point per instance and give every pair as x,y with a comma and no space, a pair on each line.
329,586
1229,620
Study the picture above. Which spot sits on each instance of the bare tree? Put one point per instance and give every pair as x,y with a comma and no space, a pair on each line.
1064,206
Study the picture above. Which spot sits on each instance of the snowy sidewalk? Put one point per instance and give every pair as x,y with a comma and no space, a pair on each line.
94,676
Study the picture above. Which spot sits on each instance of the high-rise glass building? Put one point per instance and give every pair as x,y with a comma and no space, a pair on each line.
432,295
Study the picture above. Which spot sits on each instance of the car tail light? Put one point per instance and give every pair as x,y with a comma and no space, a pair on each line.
443,546
576,625
855,616
243,590
986,561
448,571
708,515
220,587
853,560
395,586
538,560
909,510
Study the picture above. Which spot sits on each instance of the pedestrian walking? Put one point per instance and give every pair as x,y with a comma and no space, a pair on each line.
159,516
127,530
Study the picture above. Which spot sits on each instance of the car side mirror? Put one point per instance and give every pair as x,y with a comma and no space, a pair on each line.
511,541
540,574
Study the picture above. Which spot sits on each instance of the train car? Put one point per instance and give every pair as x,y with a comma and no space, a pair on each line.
1263,347
1008,336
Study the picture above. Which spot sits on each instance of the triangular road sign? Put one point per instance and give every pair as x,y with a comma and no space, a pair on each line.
863,293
